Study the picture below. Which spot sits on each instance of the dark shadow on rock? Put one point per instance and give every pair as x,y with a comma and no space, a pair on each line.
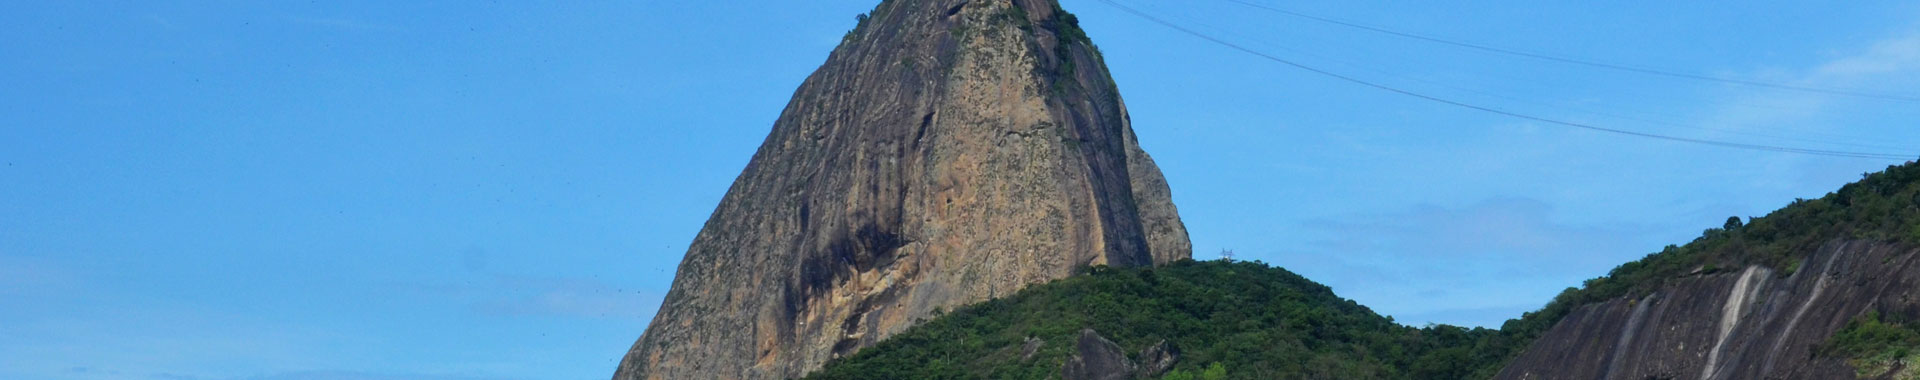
1096,358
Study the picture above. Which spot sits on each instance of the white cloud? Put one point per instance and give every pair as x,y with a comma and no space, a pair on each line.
1890,66
1896,56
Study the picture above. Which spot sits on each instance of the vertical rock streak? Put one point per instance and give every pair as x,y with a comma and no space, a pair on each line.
1625,342
1731,312
1746,325
1819,287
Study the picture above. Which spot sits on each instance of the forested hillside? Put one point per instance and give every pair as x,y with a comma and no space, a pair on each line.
1241,320
1250,320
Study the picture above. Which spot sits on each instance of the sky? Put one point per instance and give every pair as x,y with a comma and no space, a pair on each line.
462,190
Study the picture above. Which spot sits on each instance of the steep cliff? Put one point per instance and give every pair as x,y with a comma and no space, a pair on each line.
948,152
1752,323
1757,300
1825,288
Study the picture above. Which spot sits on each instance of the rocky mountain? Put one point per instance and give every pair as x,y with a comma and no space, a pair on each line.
948,152
1825,288
1187,320
1752,323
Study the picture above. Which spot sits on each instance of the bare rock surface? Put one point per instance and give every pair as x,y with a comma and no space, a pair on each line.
1096,358
1157,359
1753,323
1031,347
948,152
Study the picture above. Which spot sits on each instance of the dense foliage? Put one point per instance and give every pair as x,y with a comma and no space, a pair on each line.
1874,346
1242,320
1881,206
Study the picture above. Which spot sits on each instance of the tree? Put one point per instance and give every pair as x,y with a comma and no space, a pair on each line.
1216,371
1733,222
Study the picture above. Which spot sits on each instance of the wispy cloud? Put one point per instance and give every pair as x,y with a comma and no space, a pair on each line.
358,375
1477,264
318,375
1888,66
517,295
344,24
153,341
30,276
1898,55
160,21
1506,227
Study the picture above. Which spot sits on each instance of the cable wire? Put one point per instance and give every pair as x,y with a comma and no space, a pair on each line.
1582,62
1809,136
1883,145
1362,82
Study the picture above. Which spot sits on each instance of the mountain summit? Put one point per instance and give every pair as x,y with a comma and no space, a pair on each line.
948,152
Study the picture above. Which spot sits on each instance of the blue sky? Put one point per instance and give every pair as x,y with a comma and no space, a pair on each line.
502,190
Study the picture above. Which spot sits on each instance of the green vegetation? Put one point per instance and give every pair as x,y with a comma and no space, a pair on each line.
1248,320
1882,206
859,25
1875,347
1067,27
860,20
1242,320
1067,33
1216,371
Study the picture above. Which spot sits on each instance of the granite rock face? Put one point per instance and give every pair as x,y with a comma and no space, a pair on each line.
1096,358
1157,359
1755,323
948,152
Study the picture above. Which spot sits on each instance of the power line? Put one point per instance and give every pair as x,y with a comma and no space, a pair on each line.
1613,115
1583,62
1726,144
1849,141
1830,139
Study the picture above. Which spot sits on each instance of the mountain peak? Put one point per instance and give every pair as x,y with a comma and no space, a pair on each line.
947,152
